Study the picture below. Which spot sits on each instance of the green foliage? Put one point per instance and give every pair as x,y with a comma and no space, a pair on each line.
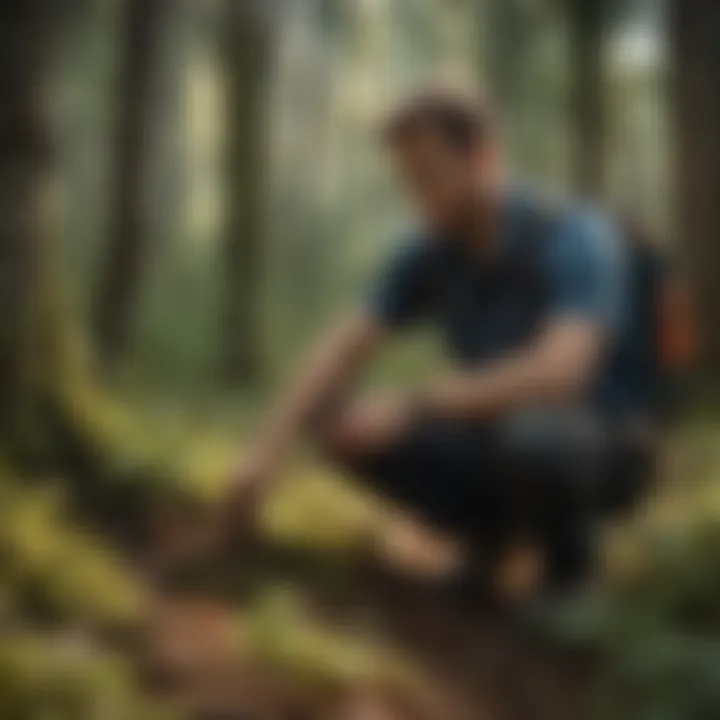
656,621
51,566
665,649
283,636
68,679
332,210
61,590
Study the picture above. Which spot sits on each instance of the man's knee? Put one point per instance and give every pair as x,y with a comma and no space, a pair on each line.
559,435
554,450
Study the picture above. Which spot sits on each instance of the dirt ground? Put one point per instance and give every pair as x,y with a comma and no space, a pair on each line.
469,662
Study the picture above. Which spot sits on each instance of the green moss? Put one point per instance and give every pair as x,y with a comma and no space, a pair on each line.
58,678
287,640
65,571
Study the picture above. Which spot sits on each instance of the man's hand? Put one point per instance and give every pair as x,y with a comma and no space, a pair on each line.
372,424
249,486
329,368
182,538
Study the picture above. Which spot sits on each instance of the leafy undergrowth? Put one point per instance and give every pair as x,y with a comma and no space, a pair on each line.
657,615
654,623
655,618
62,591
70,678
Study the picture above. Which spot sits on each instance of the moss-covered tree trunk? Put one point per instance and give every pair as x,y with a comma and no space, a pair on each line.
121,273
695,31
53,418
246,44
587,20
27,30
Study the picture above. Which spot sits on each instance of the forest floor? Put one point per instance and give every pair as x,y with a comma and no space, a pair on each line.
297,626
368,647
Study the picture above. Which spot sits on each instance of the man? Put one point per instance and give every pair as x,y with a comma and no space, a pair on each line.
530,301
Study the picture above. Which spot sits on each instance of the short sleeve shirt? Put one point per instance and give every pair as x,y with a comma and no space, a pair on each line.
544,264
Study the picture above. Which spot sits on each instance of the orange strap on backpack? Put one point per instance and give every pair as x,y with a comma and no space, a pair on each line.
677,336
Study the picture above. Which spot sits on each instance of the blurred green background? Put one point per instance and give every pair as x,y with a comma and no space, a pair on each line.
190,190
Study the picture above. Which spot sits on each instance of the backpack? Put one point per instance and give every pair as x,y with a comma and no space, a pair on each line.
666,348
661,359
662,304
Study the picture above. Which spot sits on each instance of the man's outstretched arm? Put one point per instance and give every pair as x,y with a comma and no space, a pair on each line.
331,366
395,299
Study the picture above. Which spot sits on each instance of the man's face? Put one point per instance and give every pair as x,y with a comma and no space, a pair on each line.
442,180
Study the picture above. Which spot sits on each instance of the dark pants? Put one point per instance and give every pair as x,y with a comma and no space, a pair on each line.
540,473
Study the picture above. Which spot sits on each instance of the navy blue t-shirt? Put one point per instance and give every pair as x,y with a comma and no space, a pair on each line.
542,265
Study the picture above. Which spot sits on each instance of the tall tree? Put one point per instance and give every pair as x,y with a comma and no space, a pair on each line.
246,45
506,34
506,64
587,22
695,29
121,273
26,34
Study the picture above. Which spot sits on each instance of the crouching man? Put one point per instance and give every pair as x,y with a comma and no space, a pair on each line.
532,305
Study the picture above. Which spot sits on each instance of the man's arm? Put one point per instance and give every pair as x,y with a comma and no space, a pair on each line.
556,367
395,299
586,275
331,366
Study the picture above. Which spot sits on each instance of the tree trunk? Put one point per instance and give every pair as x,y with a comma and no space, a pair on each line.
121,273
695,29
26,32
504,46
52,415
587,22
246,46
